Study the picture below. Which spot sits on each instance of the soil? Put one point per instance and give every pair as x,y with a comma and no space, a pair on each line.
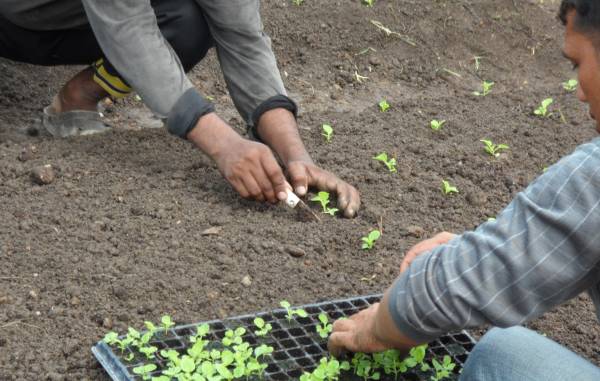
116,237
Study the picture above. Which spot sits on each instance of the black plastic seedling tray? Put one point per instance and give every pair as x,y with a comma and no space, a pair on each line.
297,346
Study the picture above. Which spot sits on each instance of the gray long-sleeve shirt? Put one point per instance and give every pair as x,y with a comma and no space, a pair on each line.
129,36
542,250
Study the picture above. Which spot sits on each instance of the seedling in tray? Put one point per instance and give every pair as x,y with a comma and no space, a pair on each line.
443,369
323,199
290,312
263,328
327,132
390,163
325,328
369,240
328,370
145,370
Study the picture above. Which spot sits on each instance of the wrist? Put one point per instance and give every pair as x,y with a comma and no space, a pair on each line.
212,135
278,129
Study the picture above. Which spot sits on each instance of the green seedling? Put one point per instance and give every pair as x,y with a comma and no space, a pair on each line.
148,352
570,85
290,312
363,367
493,149
327,370
233,336
297,2
442,370
369,3
390,361
486,88
390,163
166,323
369,241
263,328
417,358
150,327
201,331
323,199
327,132
325,328
384,105
542,111
436,125
144,371
447,188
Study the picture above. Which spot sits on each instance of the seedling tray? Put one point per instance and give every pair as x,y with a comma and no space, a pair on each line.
297,346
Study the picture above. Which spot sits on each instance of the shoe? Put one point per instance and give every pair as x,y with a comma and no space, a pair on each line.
73,123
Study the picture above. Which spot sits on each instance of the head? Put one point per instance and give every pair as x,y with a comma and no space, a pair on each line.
582,48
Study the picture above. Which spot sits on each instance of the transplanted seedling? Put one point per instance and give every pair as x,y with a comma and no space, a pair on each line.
297,2
263,328
384,105
144,371
369,3
442,370
436,125
447,188
327,132
323,199
570,85
390,163
290,312
369,241
493,149
486,88
325,328
542,111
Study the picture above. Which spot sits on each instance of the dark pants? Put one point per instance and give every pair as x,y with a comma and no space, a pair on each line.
180,21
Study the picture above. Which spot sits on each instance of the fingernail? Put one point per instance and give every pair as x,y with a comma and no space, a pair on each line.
281,196
301,191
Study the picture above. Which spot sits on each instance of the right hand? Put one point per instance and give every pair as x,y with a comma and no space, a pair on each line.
253,171
423,247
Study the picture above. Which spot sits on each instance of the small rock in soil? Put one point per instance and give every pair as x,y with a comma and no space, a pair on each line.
27,153
43,175
415,231
215,230
295,251
477,199
246,281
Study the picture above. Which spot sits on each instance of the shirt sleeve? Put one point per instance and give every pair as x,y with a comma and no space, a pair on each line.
542,250
246,57
129,36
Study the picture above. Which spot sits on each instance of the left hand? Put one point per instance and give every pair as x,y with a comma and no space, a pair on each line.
305,174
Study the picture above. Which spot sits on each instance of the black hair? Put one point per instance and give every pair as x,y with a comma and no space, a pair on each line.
587,17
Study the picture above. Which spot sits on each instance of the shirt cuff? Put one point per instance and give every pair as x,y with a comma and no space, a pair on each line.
277,101
398,309
184,115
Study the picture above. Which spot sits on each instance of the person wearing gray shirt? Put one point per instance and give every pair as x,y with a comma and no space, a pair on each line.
147,46
542,249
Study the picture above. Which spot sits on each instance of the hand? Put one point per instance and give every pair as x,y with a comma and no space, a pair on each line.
356,334
304,174
423,247
253,171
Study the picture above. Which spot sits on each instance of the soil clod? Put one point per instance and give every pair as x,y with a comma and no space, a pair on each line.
43,175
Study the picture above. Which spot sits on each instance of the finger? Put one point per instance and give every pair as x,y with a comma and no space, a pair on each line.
342,325
299,179
340,342
254,190
353,203
276,178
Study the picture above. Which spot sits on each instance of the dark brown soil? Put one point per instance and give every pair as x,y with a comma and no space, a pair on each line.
116,238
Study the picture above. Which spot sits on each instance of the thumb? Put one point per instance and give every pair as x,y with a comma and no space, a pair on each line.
299,178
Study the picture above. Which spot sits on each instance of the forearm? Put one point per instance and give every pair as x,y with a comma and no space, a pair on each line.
211,135
277,128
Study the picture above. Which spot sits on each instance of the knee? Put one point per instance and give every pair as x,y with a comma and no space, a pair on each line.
497,347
